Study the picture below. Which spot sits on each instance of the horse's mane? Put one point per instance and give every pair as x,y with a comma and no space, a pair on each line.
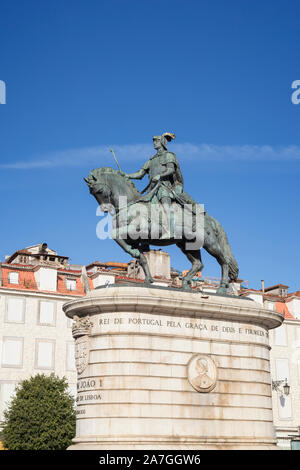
98,172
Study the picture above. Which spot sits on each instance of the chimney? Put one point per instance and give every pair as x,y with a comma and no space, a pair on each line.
159,263
263,286
43,248
85,280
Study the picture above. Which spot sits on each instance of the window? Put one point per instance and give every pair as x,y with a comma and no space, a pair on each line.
280,336
7,390
71,284
71,356
12,352
284,402
47,313
298,337
13,278
15,310
44,354
282,369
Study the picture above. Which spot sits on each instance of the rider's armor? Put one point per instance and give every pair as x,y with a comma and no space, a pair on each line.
169,187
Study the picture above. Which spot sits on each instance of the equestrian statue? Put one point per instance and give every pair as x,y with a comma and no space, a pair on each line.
162,214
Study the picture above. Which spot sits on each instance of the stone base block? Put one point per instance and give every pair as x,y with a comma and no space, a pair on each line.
166,369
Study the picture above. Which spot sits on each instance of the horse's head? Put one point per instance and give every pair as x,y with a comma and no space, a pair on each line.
108,185
100,190
98,187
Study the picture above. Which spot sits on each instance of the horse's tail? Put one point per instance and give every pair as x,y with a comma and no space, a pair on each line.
226,249
233,269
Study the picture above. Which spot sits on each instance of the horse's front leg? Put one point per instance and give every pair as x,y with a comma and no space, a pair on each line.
139,255
194,256
145,266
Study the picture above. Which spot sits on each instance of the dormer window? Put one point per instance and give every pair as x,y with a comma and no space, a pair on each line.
71,284
283,292
13,278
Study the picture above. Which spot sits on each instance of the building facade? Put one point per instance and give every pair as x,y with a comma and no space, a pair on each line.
36,336
285,361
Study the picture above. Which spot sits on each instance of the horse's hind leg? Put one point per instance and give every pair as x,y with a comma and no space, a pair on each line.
194,256
215,251
224,284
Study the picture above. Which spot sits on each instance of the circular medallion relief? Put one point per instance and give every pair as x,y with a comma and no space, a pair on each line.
202,373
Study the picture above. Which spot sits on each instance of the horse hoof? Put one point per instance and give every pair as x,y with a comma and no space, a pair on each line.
222,291
186,286
135,253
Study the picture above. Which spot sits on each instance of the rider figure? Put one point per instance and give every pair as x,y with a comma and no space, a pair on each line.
163,167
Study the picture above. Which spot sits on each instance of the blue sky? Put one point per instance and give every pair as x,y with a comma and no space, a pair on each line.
82,76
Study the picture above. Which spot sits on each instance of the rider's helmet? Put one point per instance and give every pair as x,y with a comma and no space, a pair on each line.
167,136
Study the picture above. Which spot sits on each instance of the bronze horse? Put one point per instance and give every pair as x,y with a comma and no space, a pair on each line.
108,186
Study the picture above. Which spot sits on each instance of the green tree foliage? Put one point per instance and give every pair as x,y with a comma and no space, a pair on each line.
41,416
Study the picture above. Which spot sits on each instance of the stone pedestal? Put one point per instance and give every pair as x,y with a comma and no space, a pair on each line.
159,265
166,369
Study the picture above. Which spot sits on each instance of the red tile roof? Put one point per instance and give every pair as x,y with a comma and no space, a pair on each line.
126,278
108,265
26,252
282,308
276,286
27,281
294,294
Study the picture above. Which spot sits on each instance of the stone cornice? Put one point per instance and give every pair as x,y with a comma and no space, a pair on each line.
171,302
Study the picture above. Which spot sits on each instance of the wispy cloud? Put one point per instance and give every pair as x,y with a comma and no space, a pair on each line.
101,156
